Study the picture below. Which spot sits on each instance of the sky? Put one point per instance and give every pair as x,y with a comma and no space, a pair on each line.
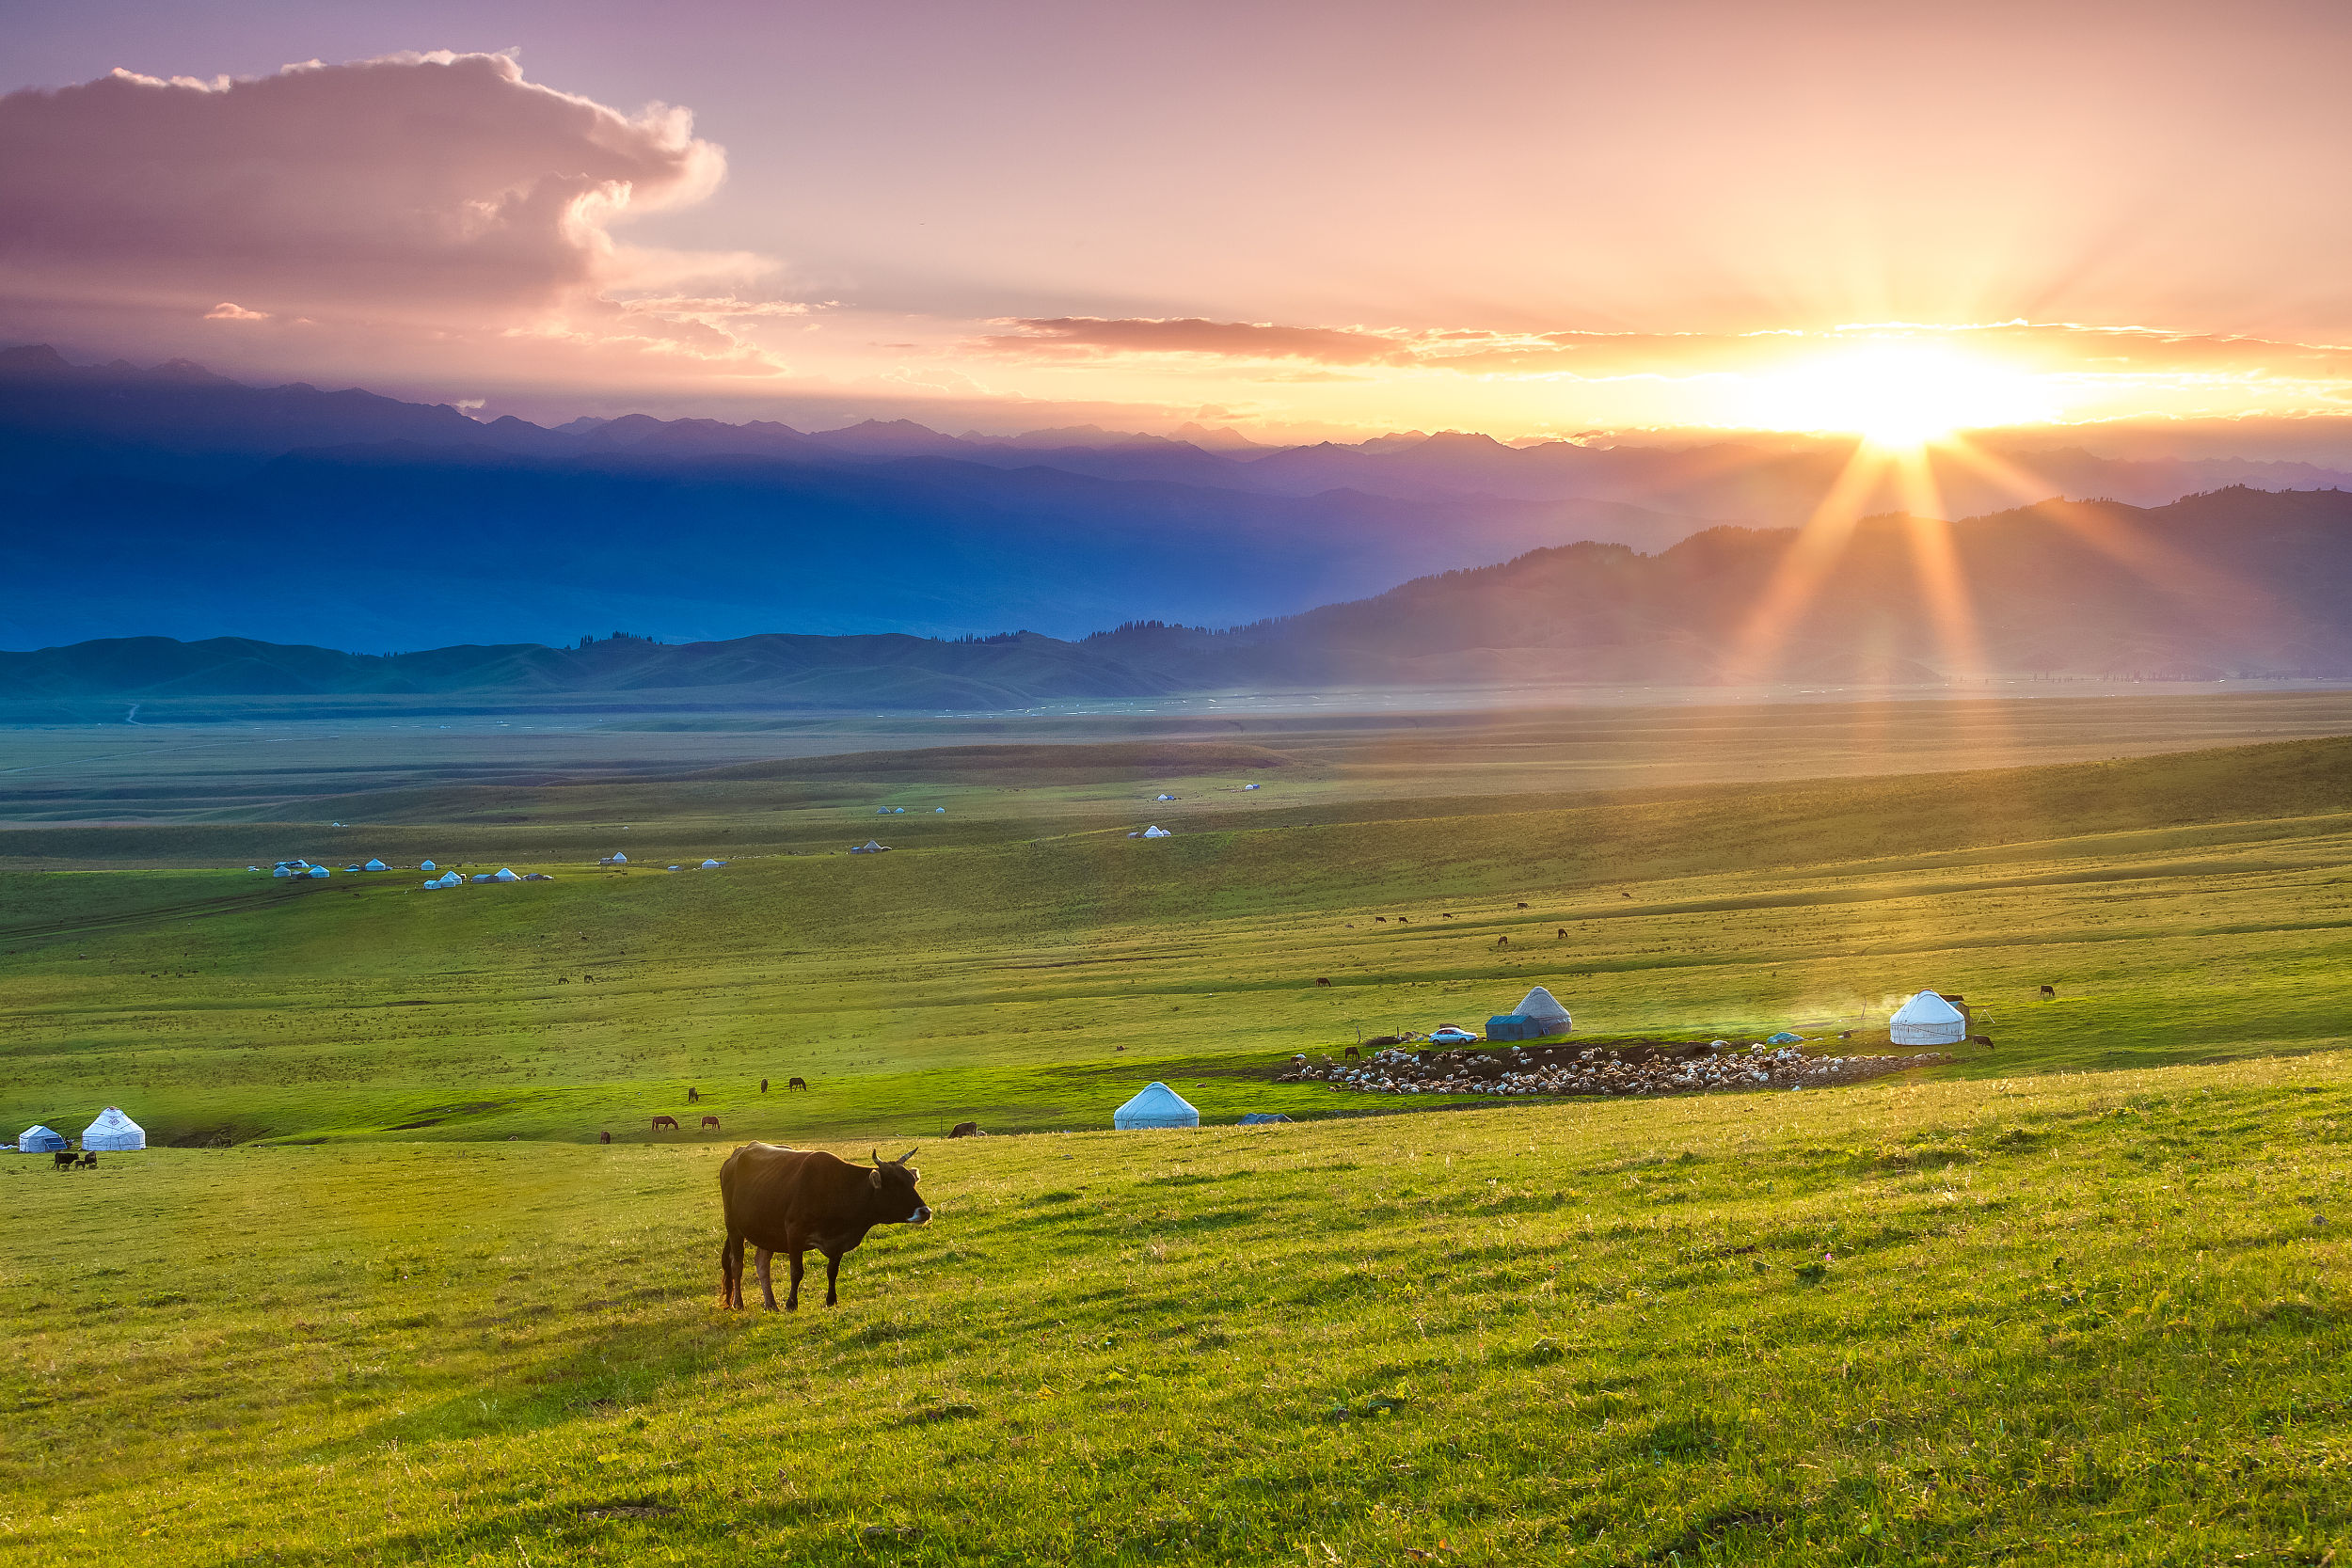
1294,221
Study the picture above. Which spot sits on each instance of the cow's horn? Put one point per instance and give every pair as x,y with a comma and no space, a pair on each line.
904,1158
875,1155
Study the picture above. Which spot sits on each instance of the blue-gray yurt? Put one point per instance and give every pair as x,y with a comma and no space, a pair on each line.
1157,1106
37,1139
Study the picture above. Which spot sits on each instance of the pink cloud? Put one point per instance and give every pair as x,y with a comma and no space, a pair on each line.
1096,336
422,198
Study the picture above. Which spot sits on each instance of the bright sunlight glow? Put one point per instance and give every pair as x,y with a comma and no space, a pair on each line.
1898,395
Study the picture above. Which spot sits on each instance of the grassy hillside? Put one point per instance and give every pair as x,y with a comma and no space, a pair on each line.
2054,1320
2187,908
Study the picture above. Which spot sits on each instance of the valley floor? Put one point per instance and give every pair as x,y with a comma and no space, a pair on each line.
2078,1297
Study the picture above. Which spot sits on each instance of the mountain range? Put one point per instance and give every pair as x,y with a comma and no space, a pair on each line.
2233,584
168,500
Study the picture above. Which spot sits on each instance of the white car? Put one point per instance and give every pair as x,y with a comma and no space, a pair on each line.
1451,1035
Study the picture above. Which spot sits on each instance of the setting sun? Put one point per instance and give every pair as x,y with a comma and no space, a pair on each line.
1896,395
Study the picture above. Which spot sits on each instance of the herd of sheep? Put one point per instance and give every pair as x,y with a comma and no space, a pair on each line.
1562,1070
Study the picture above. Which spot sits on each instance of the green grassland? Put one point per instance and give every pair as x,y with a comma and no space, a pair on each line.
2049,1321
2189,907
2083,1297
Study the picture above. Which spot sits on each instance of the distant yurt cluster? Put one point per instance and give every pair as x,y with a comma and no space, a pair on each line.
112,1132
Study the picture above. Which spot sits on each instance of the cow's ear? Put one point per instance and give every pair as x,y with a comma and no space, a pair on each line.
874,1176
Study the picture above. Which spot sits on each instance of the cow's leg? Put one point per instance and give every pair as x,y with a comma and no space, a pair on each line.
832,1278
767,1289
793,1301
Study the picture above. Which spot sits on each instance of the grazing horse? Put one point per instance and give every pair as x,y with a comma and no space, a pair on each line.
1321,981
693,1096
1355,1054
710,1121
1564,930
604,1137
789,1201
791,1084
1503,942
660,1122
2049,993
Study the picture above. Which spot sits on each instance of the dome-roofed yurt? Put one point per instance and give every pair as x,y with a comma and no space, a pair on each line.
1157,1106
37,1139
114,1131
375,866
1540,1007
1926,1019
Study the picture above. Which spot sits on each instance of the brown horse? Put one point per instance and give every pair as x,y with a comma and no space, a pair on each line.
710,1121
795,1084
660,1122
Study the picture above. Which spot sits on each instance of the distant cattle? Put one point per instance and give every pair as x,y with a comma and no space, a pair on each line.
1380,919
1624,896
2049,993
1522,904
763,1086
1321,981
1354,1055
1846,1036
964,1129
791,1084
1503,942
790,1200
65,1159
1564,930
691,1096
1985,1040
710,1121
660,1122
604,1137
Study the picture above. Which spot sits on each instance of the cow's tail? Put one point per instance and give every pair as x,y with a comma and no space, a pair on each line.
731,1270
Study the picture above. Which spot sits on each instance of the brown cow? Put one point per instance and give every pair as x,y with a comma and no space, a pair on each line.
788,1200
660,1122
964,1129
604,1137
710,1121
791,1084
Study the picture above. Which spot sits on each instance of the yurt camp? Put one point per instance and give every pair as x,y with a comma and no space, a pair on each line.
1157,1106
114,1131
1926,1019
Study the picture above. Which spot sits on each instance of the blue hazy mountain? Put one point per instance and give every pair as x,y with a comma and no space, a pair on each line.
2238,583
172,502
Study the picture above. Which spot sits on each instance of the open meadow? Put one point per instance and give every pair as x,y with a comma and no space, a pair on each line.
2075,1296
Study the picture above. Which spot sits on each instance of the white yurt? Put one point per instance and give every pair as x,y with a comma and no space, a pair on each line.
427,866
1157,1106
37,1139
375,866
319,871
114,1131
504,875
1155,831
1926,1019
1544,1009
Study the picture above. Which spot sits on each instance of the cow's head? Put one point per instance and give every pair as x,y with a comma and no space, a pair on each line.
894,1180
